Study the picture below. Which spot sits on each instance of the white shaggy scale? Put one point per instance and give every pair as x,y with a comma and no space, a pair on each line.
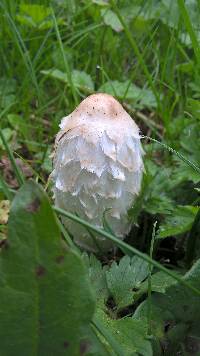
97,168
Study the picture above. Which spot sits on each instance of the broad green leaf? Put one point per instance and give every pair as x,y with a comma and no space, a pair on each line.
175,315
190,141
186,67
122,278
81,79
131,92
7,86
8,133
35,15
111,19
168,12
178,222
17,122
160,281
158,184
56,74
194,107
100,2
129,333
122,90
45,296
7,100
37,12
7,92
91,344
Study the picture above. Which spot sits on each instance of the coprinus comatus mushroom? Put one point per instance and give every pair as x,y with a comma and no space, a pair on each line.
97,168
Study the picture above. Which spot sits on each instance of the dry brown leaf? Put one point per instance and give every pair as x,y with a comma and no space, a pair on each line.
4,211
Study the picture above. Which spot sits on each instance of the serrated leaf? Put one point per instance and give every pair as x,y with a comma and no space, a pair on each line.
129,333
158,187
175,315
185,173
160,282
97,275
122,278
178,222
45,296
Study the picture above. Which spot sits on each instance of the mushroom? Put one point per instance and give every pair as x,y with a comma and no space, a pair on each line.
97,168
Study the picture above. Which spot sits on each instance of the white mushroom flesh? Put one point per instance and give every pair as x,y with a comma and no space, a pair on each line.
98,168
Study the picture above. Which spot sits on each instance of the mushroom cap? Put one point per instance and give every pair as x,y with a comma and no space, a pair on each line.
97,167
99,112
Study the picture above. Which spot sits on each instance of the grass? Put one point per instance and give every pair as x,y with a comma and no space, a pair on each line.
152,66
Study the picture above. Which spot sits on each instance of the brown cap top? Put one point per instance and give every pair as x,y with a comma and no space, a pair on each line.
98,113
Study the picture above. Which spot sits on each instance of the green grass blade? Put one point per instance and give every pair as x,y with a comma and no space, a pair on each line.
18,40
17,171
5,189
189,28
124,245
137,52
149,277
35,173
116,347
68,72
179,155
66,235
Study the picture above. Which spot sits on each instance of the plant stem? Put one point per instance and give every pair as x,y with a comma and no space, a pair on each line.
149,278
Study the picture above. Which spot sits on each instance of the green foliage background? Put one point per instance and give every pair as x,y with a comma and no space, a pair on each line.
54,299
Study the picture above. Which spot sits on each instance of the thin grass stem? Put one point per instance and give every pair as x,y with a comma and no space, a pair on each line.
137,52
68,72
190,29
149,278
179,155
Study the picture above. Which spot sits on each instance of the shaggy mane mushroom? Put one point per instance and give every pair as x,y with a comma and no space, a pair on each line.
97,167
